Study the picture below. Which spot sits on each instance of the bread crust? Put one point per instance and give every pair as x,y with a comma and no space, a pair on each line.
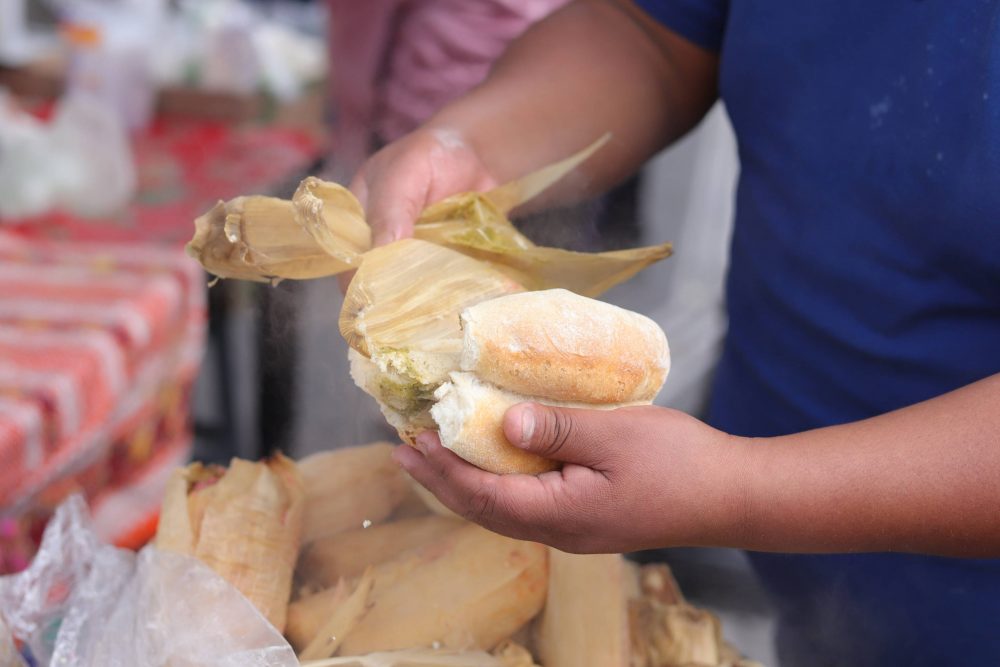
470,416
557,345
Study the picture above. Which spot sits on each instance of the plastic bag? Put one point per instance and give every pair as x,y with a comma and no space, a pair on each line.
86,604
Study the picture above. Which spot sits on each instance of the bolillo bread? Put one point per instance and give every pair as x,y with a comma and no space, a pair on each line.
565,347
553,347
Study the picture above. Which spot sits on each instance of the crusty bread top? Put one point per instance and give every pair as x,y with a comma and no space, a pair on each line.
558,345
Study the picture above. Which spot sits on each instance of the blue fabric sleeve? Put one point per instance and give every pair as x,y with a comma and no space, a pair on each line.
700,21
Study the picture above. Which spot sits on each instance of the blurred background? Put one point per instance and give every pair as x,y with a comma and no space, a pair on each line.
122,120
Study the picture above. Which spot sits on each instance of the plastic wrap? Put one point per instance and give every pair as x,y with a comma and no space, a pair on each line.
86,604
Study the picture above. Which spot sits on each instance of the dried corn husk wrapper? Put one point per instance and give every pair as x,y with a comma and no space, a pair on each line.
414,658
468,590
245,523
348,488
322,232
346,555
407,296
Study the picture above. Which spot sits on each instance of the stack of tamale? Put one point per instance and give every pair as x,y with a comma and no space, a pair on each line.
382,581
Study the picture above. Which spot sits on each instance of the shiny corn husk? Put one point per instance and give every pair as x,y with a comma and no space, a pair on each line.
346,488
478,225
244,522
346,555
261,239
585,622
323,232
408,295
470,589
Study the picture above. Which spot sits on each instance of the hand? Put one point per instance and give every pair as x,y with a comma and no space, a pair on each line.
396,184
633,478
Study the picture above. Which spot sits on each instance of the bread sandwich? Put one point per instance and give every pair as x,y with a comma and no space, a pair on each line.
553,347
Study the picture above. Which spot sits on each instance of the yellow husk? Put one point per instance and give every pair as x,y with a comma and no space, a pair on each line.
346,487
470,589
347,554
585,622
408,295
346,615
259,238
414,658
322,232
246,526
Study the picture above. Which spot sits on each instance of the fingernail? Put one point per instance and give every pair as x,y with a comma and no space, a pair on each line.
423,443
527,426
384,238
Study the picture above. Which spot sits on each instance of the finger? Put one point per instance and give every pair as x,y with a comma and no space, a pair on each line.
359,187
394,204
568,435
344,280
513,505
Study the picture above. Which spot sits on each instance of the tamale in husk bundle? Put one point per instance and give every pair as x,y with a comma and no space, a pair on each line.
346,555
244,522
347,487
470,589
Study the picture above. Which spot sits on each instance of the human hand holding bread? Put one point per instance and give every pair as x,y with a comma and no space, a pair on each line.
631,478
545,432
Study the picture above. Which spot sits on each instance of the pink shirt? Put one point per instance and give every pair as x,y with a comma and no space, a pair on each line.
396,62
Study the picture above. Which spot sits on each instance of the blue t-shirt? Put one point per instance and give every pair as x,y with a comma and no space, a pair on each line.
865,275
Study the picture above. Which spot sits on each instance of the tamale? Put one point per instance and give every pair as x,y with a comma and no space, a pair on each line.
346,487
585,621
469,590
245,523
413,658
347,554
343,619
681,634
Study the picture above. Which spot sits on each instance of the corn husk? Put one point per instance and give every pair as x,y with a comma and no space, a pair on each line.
245,523
407,296
414,658
346,555
657,582
469,590
261,239
679,635
512,654
343,619
586,621
322,232
345,488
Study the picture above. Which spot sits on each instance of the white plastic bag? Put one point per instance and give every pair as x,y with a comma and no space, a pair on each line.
86,604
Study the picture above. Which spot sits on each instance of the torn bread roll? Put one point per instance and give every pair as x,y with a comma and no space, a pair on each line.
469,414
553,347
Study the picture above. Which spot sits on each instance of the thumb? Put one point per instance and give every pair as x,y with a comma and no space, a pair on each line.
568,435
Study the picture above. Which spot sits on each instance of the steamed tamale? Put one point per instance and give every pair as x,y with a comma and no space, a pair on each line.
585,622
326,561
345,488
245,523
470,589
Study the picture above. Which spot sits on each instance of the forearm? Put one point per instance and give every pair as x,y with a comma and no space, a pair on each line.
594,67
922,479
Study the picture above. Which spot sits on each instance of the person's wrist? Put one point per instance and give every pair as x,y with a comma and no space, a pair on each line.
736,481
